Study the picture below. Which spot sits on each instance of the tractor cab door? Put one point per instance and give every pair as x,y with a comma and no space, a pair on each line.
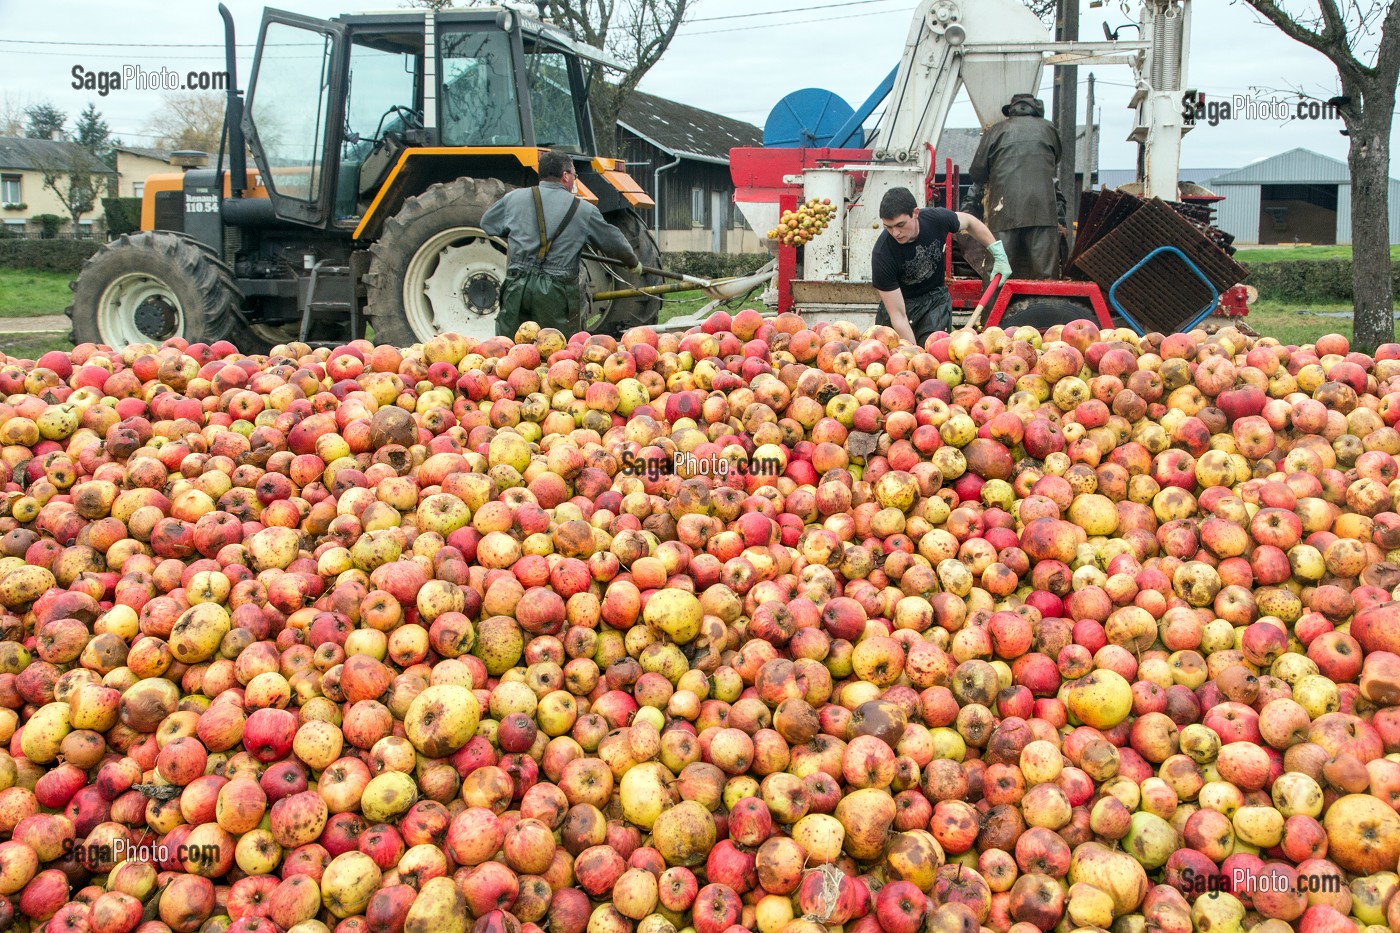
295,98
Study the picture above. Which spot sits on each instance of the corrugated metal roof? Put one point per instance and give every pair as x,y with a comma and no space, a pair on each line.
1116,177
1294,167
22,153
686,131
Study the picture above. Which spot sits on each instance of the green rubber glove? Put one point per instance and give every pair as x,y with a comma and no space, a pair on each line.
1000,265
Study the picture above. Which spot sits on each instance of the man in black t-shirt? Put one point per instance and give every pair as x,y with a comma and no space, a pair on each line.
906,265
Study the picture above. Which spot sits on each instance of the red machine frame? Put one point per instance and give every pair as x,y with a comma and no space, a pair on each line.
759,175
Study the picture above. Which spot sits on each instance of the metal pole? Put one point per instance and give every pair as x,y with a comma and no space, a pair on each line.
1091,171
1067,107
656,196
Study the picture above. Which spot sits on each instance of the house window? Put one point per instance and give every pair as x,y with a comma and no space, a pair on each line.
10,189
697,206
85,229
15,227
138,188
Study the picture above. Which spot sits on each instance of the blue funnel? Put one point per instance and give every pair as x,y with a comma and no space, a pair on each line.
809,118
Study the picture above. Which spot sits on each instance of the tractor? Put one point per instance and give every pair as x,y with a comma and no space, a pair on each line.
378,141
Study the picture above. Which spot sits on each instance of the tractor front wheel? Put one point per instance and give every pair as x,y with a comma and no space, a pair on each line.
150,287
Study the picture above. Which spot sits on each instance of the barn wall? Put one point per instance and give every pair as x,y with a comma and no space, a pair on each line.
1344,216
1344,213
1238,214
677,184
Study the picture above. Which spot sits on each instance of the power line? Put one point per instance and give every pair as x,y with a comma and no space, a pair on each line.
250,45
796,9
794,22
121,55
128,45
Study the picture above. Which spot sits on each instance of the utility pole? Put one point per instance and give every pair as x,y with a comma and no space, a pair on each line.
1091,141
1066,107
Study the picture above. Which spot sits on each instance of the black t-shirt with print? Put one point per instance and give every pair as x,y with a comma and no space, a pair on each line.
914,268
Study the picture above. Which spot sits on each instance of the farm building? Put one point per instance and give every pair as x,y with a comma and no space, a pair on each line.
24,163
135,164
680,155
1297,196
1117,177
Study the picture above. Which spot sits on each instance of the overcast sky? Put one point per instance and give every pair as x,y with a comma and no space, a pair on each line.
725,59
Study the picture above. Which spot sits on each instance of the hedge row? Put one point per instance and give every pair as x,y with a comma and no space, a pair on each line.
123,215
57,255
713,265
1323,281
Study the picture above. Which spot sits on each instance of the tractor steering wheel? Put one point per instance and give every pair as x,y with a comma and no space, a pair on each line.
413,119
409,119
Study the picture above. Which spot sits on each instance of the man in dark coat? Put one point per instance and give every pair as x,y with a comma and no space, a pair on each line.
547,228
1017,161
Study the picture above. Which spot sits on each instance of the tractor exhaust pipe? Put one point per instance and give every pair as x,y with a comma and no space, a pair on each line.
233,113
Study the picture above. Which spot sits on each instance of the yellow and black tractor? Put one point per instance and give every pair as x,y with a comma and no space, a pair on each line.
379,140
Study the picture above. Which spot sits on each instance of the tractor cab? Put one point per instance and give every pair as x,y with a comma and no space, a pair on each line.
332,105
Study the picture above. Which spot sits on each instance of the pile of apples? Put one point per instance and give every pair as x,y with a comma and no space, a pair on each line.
800,227
1027,632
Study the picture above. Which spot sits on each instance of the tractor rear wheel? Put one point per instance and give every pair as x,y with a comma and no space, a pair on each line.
149,287
433,269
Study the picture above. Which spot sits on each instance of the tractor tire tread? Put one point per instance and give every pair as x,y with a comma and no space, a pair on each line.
401,239
211,303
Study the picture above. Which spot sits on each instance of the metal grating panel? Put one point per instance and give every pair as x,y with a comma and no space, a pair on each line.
1164,294
1110,209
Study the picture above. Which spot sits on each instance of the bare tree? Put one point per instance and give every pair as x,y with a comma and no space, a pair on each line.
73,174
12,117
1362,39
636,32
189,121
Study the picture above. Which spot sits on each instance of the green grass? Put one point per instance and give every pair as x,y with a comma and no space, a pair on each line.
25,293
1297,323
1248,254
32,346
680,304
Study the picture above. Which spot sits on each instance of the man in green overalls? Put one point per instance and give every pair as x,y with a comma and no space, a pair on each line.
547,228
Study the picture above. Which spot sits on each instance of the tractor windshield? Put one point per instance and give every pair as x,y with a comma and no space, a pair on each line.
479,105
551,99
380,91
